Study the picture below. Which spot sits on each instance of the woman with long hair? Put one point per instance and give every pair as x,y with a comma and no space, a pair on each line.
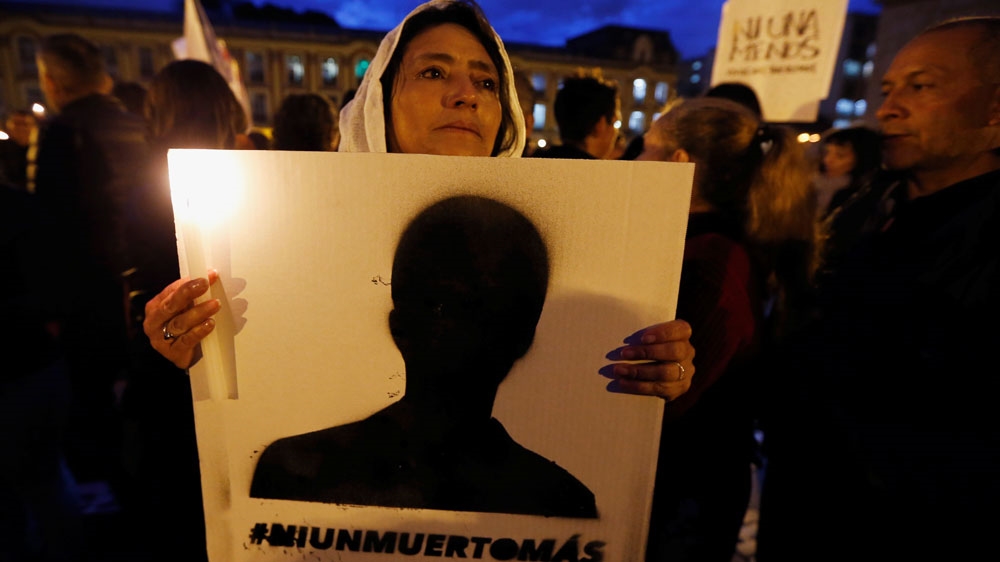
748,256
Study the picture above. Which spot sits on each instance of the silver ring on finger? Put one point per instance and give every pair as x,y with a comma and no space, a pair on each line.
681,371
167,334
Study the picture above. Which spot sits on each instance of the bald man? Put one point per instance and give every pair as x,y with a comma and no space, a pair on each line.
894,452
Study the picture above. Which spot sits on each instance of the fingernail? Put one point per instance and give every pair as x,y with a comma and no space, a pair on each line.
198,284
214,305
648,338
628,353
621,371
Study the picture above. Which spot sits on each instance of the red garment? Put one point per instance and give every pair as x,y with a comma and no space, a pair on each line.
707,440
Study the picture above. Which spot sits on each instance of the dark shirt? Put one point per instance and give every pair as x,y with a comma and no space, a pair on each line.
562,151
92,159
377,461
891,426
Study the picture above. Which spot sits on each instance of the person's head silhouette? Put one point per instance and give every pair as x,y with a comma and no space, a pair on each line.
468,283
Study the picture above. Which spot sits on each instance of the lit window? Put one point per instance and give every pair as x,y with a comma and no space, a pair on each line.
360,68
662,92
637,121
255,68
841,123
852,67
146,68
330,71
639,90
538,81
845,107
539,114
26,49
696,65
110,60
870,51
867,69
258,107
695,78
296,71
860,107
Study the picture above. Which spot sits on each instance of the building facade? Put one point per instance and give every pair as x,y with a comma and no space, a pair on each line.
281,52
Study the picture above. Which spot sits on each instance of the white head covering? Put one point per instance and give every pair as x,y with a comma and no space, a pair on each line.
362,120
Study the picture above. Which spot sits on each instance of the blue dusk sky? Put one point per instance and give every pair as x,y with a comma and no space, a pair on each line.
693,25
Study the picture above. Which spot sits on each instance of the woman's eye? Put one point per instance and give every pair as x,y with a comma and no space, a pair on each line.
489,84
432,73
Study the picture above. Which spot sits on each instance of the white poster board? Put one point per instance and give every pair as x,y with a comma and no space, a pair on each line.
304,244
786,50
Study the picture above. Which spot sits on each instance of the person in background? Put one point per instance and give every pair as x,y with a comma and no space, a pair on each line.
306,122
92,159
20,125
189,105
883,443
526,96
735,91
588,112
749,250
851,180
851,158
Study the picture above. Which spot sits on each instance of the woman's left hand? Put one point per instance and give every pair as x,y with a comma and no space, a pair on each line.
665,362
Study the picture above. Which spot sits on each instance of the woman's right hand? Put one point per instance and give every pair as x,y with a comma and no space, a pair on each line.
175,325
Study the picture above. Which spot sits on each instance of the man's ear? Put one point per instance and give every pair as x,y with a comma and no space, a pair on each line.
680,155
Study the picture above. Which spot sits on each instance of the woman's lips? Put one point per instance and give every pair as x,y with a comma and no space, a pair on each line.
461,127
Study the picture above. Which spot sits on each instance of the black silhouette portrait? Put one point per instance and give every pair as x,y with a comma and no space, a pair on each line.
469,279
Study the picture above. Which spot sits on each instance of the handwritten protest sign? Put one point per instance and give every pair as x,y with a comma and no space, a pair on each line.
786,50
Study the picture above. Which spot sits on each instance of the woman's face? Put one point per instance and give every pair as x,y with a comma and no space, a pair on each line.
445,97
838,159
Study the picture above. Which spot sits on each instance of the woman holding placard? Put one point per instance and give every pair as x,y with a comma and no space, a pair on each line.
450,90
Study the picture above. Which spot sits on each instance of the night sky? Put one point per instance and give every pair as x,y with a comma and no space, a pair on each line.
693,24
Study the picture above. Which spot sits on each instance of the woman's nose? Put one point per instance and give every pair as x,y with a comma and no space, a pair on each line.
463,93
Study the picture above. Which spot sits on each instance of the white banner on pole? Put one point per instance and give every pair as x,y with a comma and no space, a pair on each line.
200,43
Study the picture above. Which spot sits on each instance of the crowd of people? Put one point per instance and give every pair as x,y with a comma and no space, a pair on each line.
843,311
